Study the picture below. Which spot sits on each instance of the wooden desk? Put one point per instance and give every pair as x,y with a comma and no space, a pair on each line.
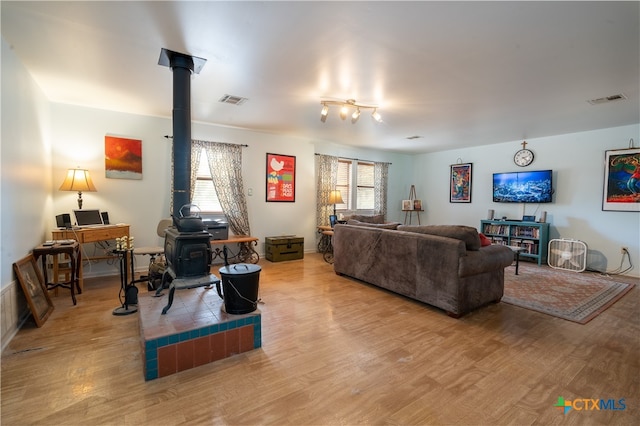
91,235
246,253
75,256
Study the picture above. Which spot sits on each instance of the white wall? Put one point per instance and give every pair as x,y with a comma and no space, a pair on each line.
78,141
25,187
576,212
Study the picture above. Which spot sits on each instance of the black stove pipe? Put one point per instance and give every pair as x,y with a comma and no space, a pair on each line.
182,66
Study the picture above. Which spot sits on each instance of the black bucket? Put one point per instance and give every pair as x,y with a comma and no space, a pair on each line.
240,283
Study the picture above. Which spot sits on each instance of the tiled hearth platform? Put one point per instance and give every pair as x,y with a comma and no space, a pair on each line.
195,331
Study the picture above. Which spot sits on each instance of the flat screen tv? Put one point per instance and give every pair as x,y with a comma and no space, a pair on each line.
523,187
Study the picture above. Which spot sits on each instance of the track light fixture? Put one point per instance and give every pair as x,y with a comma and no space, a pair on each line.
343,112
345,107
323,113
356,115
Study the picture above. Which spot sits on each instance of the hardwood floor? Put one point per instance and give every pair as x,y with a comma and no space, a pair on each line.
334,351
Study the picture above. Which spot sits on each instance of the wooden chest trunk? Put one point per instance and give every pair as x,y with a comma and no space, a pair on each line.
278,249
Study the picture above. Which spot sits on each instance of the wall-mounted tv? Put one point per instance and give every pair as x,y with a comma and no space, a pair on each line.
523,187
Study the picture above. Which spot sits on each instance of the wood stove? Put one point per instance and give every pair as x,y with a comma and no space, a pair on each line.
188,254
188,257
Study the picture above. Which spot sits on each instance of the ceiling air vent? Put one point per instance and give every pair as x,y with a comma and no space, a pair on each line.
233,100
612,98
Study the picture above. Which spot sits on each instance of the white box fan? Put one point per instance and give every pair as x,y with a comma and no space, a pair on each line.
570,255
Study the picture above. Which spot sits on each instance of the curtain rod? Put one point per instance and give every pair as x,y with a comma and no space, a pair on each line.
227,143
359,159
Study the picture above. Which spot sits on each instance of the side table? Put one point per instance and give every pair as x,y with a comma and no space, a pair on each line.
516,250
246,252
70,248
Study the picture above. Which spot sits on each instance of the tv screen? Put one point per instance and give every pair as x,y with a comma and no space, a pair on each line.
523,187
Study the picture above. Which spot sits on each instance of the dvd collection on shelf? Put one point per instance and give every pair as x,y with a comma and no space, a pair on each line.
530,247
517,231
533,237
499,233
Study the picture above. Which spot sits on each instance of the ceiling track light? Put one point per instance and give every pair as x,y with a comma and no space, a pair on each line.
324,112
356,115
343,112
345,107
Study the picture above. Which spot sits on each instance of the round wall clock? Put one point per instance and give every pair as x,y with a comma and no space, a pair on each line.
523,157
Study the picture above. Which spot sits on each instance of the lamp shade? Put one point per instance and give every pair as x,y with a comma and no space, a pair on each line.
78,180
335,197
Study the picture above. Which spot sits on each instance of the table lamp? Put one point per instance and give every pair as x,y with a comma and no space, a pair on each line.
335,197
78,180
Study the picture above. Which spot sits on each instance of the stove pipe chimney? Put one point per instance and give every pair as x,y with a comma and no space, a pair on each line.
182,66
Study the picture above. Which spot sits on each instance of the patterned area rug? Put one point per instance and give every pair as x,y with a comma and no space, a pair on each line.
574,296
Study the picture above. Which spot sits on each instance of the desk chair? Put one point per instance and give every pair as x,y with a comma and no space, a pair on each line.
156,258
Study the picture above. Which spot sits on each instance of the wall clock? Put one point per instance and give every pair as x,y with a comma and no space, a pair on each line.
524,156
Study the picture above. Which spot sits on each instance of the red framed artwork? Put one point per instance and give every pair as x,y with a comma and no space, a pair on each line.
122,158
281,178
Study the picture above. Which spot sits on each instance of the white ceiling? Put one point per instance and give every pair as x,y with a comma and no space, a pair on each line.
457,74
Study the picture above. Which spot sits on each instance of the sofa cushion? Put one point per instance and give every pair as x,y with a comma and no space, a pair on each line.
378,218
467,234
390,225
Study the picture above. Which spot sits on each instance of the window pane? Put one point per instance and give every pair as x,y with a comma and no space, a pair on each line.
344,184
365,187
204,195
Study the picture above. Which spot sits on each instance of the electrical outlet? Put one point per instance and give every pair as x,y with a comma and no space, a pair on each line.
624,250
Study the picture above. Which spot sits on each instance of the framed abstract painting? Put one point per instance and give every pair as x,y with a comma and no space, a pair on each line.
122,158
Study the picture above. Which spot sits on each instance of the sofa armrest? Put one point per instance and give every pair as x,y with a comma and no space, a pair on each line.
486,259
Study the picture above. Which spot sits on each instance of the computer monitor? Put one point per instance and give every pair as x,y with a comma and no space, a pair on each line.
88,217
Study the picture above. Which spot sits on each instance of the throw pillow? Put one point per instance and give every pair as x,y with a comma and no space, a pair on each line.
467,234
484,241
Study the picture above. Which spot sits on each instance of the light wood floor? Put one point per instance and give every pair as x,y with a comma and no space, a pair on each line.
335,351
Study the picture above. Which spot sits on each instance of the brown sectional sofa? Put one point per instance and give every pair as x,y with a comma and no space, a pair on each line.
444,266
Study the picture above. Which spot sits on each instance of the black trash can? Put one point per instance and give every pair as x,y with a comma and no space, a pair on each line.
240,283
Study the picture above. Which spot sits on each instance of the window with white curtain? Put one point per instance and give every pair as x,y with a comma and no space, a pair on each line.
357,188
204,195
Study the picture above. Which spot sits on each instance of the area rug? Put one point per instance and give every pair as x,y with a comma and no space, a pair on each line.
573,296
